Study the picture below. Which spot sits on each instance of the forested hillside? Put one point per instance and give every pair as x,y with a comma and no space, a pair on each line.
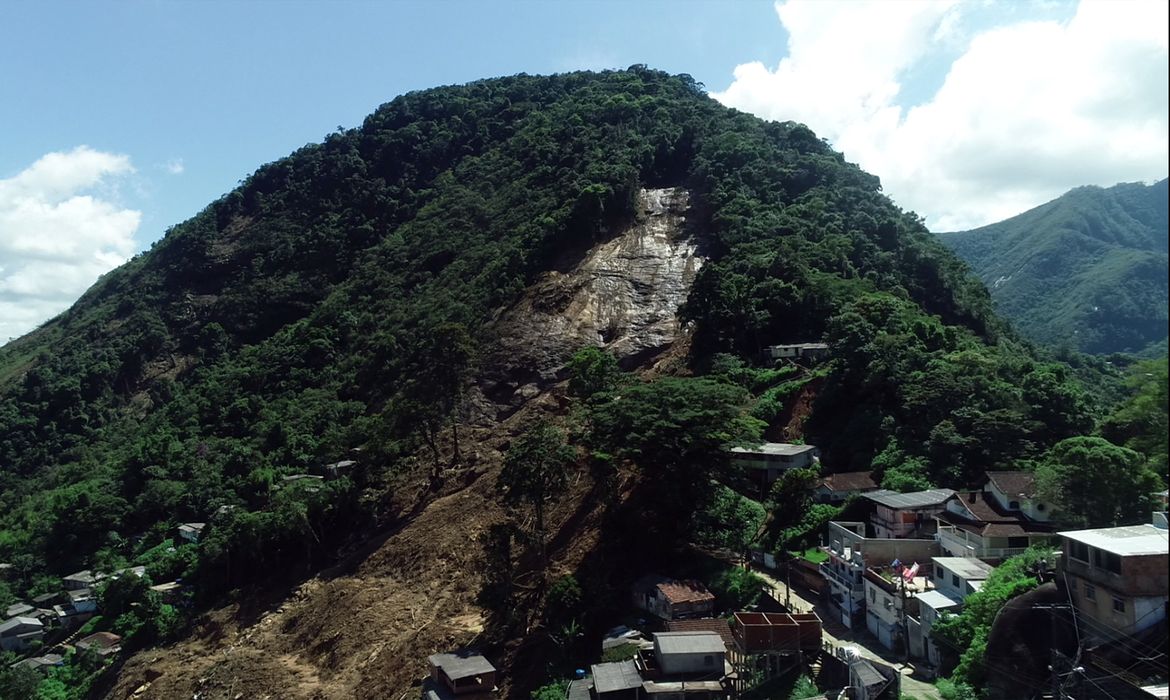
1086,271
347,302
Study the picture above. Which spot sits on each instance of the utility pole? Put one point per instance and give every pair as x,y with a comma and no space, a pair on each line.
788,583
902,613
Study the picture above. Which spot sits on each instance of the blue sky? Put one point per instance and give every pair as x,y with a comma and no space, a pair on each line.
222,87
121,119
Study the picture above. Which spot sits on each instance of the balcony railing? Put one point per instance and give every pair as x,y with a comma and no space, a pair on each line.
842,580
963,544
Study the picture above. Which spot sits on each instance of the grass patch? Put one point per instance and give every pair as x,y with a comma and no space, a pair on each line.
813,554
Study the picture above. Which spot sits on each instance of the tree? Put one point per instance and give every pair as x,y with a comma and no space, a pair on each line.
535,472
731,521
1093,483
593,371
1140,423
676,430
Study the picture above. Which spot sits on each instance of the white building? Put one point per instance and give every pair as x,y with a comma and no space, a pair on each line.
959,577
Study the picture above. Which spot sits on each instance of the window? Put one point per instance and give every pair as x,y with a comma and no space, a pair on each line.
1118,605
1017,542
955,580
1090,592
872,595
1040,507
1014,505
1107,560
1078,551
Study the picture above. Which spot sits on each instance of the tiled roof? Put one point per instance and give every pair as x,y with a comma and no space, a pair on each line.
99,640
850,481
1000,527
711,624
1018,484
983,508
689,591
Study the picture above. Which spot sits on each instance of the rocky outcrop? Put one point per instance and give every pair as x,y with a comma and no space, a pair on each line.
624,296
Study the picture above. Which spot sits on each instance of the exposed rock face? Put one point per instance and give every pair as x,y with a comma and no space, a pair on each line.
624,296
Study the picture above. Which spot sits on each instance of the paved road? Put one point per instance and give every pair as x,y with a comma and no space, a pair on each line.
839,635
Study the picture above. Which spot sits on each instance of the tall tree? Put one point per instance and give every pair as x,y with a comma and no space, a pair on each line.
1141,422
1094,483
676,430
535,473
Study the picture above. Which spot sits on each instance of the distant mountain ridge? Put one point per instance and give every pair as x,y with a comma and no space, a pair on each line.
1087,270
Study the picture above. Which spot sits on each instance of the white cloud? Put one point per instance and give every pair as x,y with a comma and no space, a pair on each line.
174,166
1027,109
58,233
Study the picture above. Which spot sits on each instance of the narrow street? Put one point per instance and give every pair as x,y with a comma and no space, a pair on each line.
839,635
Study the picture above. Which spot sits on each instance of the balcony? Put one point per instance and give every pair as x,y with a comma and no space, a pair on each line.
964,544
847,582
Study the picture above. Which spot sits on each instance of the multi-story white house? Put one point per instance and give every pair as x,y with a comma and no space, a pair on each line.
959,577
851,552
889,601
978,525
954,579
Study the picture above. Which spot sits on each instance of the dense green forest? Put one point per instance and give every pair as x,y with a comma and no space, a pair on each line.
1087,271
341,298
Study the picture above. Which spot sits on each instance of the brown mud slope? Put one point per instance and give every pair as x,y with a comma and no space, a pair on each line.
366,633
365,629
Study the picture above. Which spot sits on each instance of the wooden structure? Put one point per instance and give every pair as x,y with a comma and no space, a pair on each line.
768,645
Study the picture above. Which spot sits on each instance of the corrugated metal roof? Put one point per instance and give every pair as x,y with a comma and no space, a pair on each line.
689,643
775,448
866,674
918,499
1130,541
461,664
614,676
938,601
966,567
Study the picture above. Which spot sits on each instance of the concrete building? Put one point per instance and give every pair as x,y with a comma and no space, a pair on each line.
976,524
673,600
836,488
931,606
616,680
851,552
462,673
959,577
792,351
910,515
771,459
695,654
19,632
1118,578
889,601
191,532
1015,491
83,600
80,579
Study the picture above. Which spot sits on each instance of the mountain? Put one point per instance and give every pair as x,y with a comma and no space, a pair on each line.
334,365
1087,271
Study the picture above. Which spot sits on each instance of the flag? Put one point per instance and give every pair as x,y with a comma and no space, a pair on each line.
911,572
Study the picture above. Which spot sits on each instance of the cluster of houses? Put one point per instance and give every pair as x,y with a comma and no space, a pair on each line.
55,614
52,618
696,657
918,556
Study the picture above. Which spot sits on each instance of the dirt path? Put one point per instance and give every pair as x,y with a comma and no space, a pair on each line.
839,635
